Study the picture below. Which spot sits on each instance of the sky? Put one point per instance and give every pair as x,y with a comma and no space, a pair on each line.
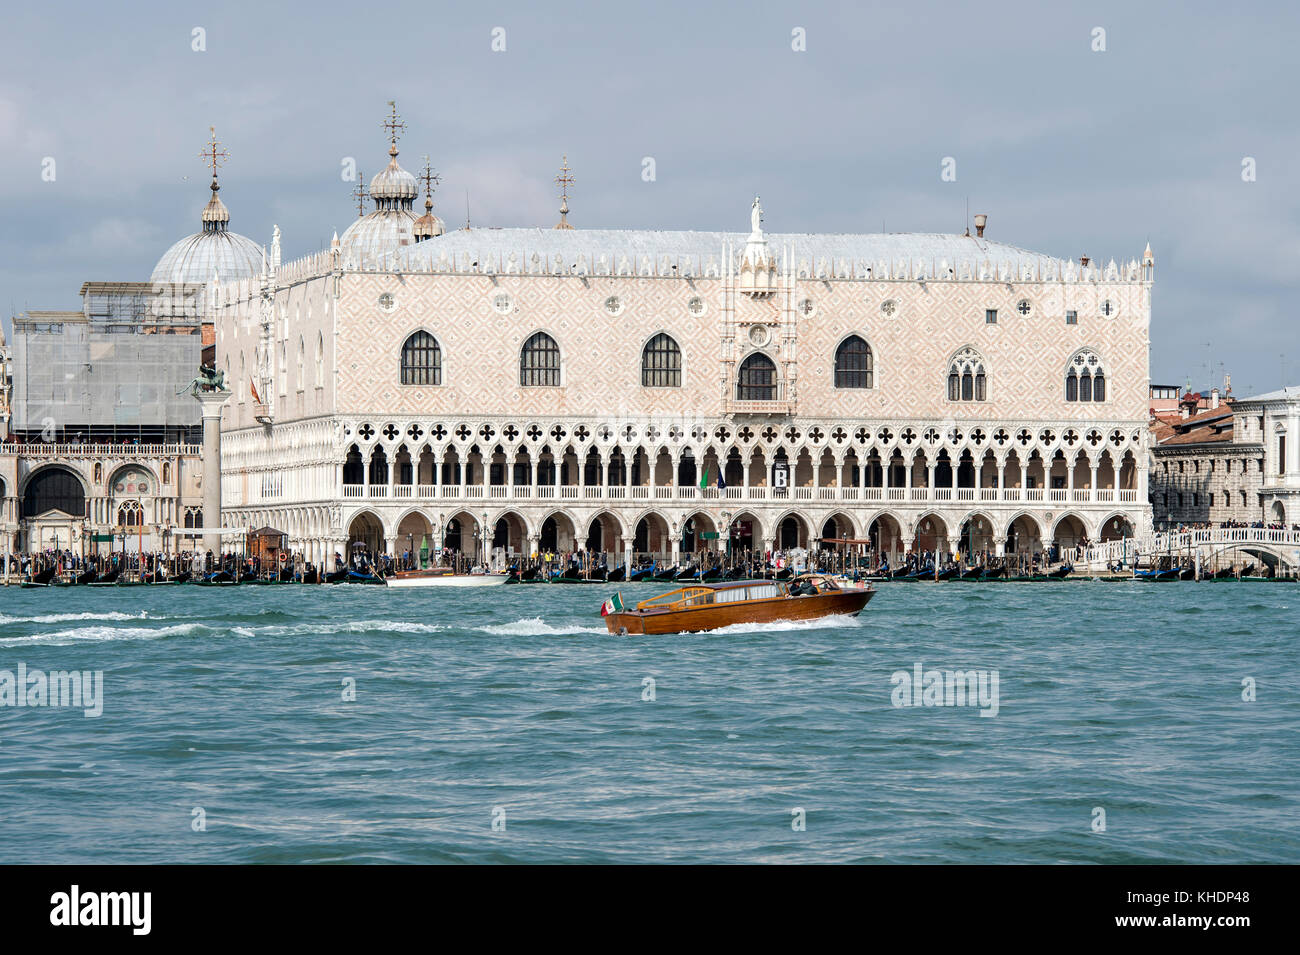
1181,132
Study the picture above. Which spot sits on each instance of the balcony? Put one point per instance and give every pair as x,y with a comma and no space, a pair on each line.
713,496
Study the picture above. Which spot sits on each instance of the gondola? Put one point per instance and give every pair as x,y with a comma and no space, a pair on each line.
311,575
784,573
713,574
108,578
41,579
1156,575
948,574
645,573
972,573
218,578
667,574
617,575
336,576
688,574
1061,572
1224,574
1187,573
87,576
993,573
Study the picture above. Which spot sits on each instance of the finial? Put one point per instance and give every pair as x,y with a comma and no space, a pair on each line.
361,194
394,125
564,181
430,179
214,155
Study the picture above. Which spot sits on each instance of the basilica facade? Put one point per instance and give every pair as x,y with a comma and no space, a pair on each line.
637,392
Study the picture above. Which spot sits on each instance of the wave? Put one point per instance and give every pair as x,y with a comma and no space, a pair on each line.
65,617
537,627
102,634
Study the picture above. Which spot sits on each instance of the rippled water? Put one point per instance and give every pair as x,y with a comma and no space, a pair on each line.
1125,697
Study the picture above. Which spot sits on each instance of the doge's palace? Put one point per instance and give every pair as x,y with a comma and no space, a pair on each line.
656,392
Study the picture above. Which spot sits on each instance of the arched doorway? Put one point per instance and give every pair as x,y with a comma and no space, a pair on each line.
414,539
651,536
1068,533
792,533
694,530
365,537
558,533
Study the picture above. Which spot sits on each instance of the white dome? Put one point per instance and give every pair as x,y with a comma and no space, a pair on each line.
195,258
394,183
378,233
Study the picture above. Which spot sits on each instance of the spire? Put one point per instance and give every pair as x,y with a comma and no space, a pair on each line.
395,128
360,194
564,181
214,155
428,225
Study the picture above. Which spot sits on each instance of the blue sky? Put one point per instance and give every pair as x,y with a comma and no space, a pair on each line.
1068,151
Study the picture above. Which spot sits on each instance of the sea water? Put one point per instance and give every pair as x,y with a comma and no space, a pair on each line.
1135,723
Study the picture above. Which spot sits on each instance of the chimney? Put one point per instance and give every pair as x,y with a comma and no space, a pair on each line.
1214,398
1186,409
981,221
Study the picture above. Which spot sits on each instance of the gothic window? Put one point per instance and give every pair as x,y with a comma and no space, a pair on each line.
421,360
130,514
302,348
320,360
854,364
661,363
967,377
193,517
757,379
539,362
1085,379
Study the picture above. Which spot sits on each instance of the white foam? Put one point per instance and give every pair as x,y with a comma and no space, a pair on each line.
833,622
537,627
65,617
102,634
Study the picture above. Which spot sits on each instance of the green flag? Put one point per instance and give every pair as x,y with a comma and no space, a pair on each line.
704,479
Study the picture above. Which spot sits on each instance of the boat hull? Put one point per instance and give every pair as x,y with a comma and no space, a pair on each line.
776,609
447,580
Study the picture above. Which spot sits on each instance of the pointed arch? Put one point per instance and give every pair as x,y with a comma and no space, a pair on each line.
539,362
968,374
756,379
661,362
421,359
855,365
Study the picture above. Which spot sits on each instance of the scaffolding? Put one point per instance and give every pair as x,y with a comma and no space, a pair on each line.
117,370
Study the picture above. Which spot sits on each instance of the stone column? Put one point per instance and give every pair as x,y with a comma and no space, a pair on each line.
210,403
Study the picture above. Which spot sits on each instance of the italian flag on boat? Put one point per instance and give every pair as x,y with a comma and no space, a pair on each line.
613,605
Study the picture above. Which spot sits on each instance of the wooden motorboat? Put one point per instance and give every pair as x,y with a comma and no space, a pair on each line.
708,607
437,577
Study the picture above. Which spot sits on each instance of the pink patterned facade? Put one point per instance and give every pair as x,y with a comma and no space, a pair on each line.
957,418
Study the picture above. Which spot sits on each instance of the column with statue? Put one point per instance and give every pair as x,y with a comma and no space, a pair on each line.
210,390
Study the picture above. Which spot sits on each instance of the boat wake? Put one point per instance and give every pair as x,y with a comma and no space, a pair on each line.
833,622
537,627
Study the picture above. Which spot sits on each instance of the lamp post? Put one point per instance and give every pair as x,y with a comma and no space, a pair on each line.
484,526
